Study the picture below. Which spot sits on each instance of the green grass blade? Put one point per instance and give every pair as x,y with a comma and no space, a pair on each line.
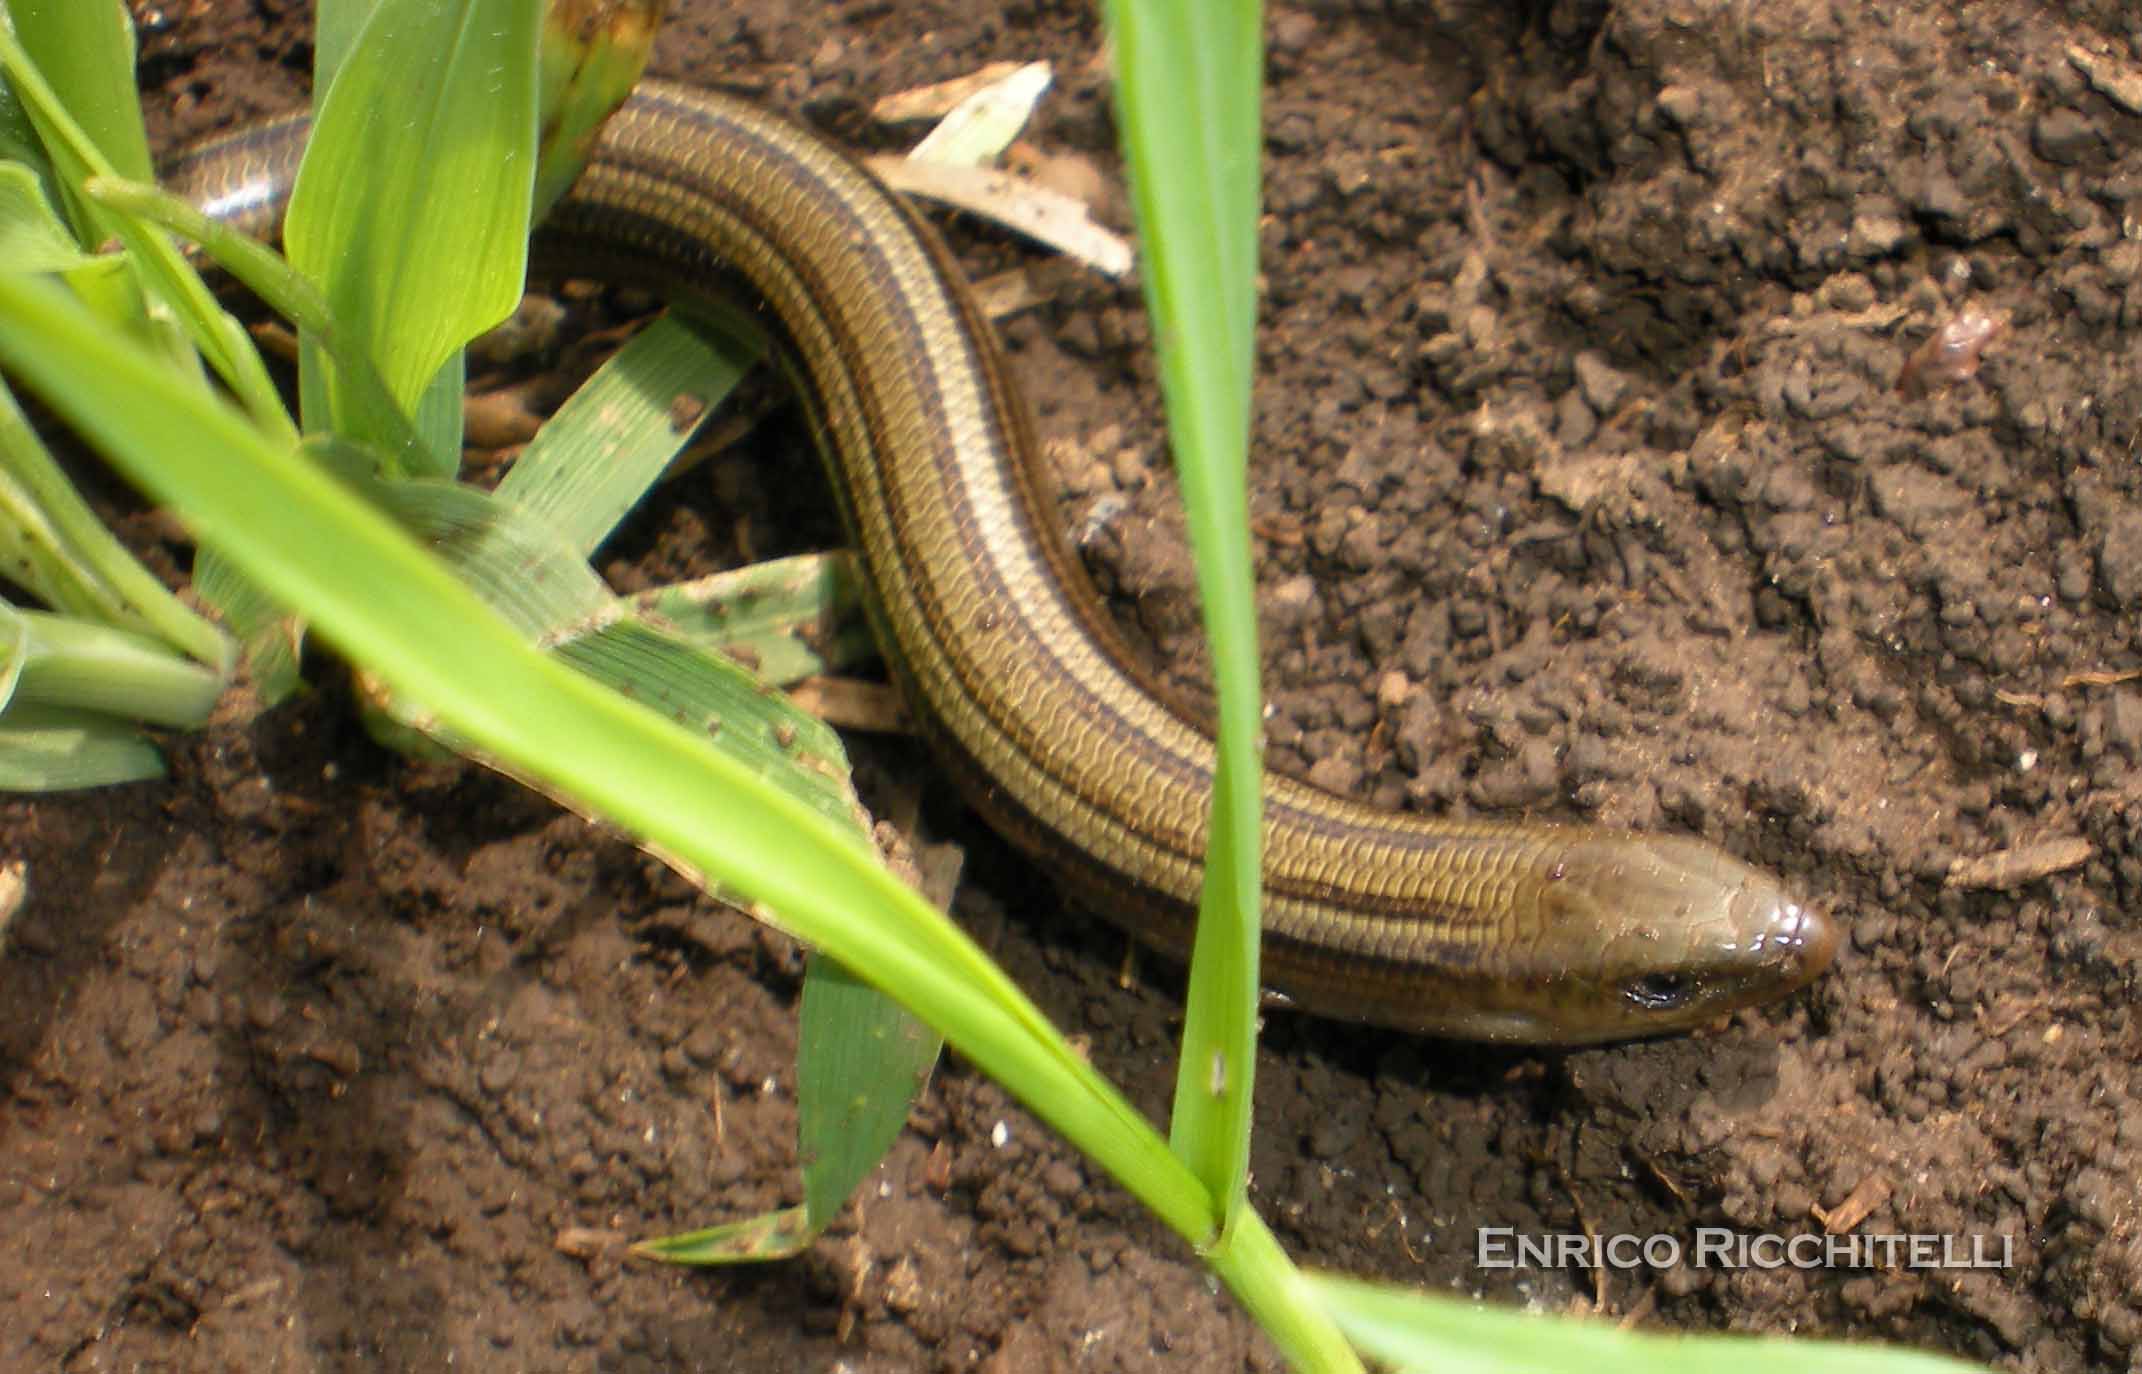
515,563
87,52
785,619
32,239
268,275
336,25
539,581
14,653
1412,1331
18,140
1248,1257
405,619
861,1057
615,437
162,273
55,749
686,667
588,62
861,1062
268,636
1188,79
776,742
76,663
58,549
411,207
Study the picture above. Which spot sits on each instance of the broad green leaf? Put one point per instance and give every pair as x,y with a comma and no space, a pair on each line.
591,56
1411,1331
32,239
86,50
411,207
268,275
1188,81
437,419
863,1061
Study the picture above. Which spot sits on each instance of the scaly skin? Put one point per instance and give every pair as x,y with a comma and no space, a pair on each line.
1511,932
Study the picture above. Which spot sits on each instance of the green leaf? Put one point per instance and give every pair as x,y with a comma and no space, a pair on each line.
517,563
769,1236
55,547
411,207
590,59
534,577
1188,80
18,140
1413,1331
402,617
785,618
32,239
862,1064
781,744
268,275
268,636
336,25
160,277
56,749
87,52
61,661
614,438
437,419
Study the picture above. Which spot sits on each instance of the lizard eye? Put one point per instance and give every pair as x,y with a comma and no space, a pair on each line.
1662,991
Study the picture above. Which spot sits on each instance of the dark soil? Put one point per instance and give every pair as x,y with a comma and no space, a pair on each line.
1594,482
